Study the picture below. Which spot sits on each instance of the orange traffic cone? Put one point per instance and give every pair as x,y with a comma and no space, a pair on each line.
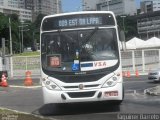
28,80
4,81
137,73
128,74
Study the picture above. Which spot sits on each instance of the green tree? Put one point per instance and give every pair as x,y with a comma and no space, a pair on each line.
3,24
130,26
36,30
30,32
39,20
4,29
15,32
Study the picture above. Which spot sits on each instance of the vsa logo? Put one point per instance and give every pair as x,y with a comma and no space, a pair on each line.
100,64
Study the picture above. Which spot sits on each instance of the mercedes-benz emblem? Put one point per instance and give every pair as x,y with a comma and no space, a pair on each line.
81,86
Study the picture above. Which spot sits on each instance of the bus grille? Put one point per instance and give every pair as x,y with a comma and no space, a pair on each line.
81,94
85,86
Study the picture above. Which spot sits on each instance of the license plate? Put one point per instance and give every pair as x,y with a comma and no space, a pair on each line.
111,93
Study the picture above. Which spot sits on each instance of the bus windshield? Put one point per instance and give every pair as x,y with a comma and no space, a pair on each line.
59,50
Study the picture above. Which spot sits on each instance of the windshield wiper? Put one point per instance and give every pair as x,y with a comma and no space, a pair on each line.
90,36
69,39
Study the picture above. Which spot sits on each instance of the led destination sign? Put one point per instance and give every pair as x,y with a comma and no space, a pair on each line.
80,22
77,21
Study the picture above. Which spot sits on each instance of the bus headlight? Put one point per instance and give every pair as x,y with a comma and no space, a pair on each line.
111,82
50,85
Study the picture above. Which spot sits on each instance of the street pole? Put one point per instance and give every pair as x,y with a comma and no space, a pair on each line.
123,25
11,52
22,41
19,40
123,22
3,50
22,38
3,65
10,35
22,29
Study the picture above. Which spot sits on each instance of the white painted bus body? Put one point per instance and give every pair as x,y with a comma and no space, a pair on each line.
84,91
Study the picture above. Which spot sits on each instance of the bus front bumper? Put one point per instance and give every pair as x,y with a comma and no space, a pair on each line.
92,95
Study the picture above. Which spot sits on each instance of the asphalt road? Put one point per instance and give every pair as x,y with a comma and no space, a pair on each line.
135,102
138,83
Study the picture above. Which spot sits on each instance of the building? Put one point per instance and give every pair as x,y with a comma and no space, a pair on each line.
16,7
9,10
46,7
29,5
24,15
150,6
27,8
148,25
89,5
119,7
146,6
13,3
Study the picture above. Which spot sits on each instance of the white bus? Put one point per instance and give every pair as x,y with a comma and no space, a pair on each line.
80,58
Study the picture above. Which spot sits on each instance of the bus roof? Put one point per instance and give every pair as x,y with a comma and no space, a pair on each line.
80,12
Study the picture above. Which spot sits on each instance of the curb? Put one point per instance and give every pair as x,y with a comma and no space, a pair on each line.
28,87
26,113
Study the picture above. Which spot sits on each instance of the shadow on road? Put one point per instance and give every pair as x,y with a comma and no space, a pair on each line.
154,82
76,108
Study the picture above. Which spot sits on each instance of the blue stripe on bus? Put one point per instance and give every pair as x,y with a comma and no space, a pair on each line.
87,65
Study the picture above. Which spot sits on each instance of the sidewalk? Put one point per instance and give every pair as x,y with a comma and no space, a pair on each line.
23,77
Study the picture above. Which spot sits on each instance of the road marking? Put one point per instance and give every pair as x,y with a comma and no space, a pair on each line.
132,91
27,87
129,90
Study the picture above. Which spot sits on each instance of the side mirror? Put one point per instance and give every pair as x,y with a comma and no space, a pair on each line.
122,39
121,36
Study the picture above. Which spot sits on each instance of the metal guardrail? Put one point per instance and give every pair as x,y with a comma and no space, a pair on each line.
141,60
